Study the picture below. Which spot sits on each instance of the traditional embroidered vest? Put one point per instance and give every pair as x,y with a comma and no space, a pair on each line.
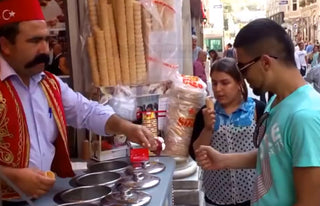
14,135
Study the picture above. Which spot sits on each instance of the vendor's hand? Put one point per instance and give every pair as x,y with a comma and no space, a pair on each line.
33,182
134,132
141,135
209,117
209,158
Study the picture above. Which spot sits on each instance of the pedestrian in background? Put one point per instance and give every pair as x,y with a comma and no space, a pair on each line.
199,68
213,54
195,48
301,58
230,51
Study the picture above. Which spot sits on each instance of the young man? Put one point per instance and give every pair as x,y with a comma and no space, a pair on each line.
35,107
301,59
213,56
287,161
230,51
58,65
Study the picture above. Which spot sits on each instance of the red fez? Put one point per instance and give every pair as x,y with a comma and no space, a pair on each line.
12,11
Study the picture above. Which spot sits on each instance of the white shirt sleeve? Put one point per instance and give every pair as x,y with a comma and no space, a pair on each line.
296,58
83,113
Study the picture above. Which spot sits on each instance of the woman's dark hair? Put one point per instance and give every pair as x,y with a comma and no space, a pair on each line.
229,66
212,51
10,31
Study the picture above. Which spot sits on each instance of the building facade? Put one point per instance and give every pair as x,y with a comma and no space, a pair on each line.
299,17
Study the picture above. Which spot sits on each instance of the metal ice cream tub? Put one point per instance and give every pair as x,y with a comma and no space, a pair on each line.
85,194
98,178
111,166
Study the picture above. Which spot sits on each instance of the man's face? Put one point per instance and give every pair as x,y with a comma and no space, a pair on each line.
301,46
57,49
28,55
194,43
212,55
203,56
249,68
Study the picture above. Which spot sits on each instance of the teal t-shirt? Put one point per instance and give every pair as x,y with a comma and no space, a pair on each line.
314,61
292,139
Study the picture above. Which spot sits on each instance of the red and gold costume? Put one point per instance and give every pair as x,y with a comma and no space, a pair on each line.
14,135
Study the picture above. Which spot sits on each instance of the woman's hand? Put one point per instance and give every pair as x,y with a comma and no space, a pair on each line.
209,117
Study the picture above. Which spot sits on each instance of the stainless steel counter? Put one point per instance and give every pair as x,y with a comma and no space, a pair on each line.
161,194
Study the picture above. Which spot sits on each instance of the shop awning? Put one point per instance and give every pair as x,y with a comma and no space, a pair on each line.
196,9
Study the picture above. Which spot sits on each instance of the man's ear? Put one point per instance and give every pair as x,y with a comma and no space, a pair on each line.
266,61
5,45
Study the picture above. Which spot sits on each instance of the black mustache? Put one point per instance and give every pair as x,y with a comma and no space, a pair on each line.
40,58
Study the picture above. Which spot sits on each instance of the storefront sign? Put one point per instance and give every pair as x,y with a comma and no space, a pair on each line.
283,2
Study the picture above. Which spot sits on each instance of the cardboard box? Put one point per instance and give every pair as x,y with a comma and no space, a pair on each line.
106,148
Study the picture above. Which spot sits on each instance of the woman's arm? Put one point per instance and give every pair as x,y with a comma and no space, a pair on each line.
206,133
198,126
203,139
210,159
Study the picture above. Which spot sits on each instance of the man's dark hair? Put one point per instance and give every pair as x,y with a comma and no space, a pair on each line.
264,36
10,31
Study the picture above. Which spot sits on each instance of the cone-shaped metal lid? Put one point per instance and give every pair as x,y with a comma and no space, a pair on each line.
151,167
139,180
125,196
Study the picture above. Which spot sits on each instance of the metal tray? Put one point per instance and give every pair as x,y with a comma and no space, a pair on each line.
85,194
98,178
114,166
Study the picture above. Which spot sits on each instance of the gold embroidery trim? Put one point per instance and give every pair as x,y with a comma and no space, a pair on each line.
57,113
23,139
5,153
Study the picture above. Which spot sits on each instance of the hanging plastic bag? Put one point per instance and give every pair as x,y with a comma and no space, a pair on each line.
185,99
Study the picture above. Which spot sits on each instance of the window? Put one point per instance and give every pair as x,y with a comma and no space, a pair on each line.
214,43
294,5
